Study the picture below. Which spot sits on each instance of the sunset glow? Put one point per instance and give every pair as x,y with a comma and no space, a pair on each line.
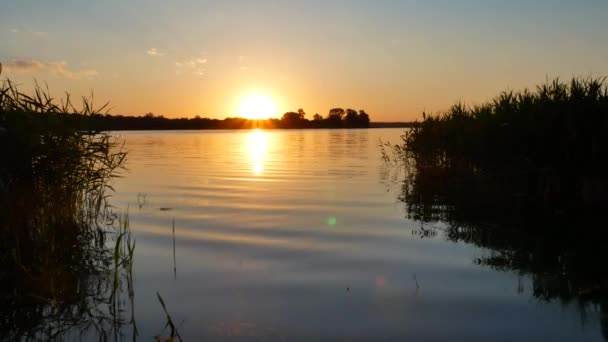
258,59
258,144
258,107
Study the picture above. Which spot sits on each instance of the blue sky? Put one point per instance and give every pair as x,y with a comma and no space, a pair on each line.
392,58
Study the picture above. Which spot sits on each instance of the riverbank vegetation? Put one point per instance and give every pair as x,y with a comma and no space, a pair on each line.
528,150
65,257
524,177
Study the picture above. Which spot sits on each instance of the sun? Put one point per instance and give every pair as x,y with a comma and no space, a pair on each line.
257,107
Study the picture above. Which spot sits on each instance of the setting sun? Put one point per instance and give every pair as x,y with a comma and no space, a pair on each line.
257,107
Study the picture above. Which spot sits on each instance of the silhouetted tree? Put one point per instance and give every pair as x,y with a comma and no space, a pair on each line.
301,113
334,118
293,119
363,119
317,117
351,118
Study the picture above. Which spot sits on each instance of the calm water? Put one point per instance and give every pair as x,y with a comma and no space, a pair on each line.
299,236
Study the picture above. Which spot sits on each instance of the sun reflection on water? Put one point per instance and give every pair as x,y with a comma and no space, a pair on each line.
258,146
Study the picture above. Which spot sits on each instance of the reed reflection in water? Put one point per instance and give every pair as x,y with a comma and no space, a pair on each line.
299,235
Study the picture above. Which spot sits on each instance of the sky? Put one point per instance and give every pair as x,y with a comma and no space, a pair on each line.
394,59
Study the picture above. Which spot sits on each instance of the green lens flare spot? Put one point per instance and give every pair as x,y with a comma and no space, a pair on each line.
331,221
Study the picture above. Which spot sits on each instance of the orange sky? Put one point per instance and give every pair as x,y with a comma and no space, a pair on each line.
393,58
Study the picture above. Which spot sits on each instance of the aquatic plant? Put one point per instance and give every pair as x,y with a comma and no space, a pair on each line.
544,147
524,178
59,271
54,176
174,333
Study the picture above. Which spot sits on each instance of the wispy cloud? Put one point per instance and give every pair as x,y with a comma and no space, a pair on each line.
241,60
60,68
38,34
195,65
154,52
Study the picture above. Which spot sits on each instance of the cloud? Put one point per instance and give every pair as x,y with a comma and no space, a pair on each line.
60,68
154,52
40,34
241,60
193,65
14,30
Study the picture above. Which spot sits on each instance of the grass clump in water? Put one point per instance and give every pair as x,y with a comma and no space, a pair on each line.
524,177
56,264
543,148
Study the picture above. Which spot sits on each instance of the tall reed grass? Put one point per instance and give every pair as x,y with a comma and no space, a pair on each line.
544,146
525,178
58,266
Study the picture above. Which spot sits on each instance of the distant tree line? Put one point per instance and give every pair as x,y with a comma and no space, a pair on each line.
336,118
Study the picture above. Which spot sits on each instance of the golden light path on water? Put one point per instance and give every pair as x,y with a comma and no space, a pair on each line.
257,144
258,148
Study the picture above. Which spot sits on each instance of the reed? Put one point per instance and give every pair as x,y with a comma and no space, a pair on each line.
54,176
59,271
524,178
174,333
545,146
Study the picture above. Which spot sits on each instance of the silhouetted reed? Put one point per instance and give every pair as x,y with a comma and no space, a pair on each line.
546,146
59,271
525,178
174,333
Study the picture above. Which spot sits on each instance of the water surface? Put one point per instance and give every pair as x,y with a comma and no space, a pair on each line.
297,235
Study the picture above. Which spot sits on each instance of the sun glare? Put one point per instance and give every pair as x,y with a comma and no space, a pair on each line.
257,107
258,144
